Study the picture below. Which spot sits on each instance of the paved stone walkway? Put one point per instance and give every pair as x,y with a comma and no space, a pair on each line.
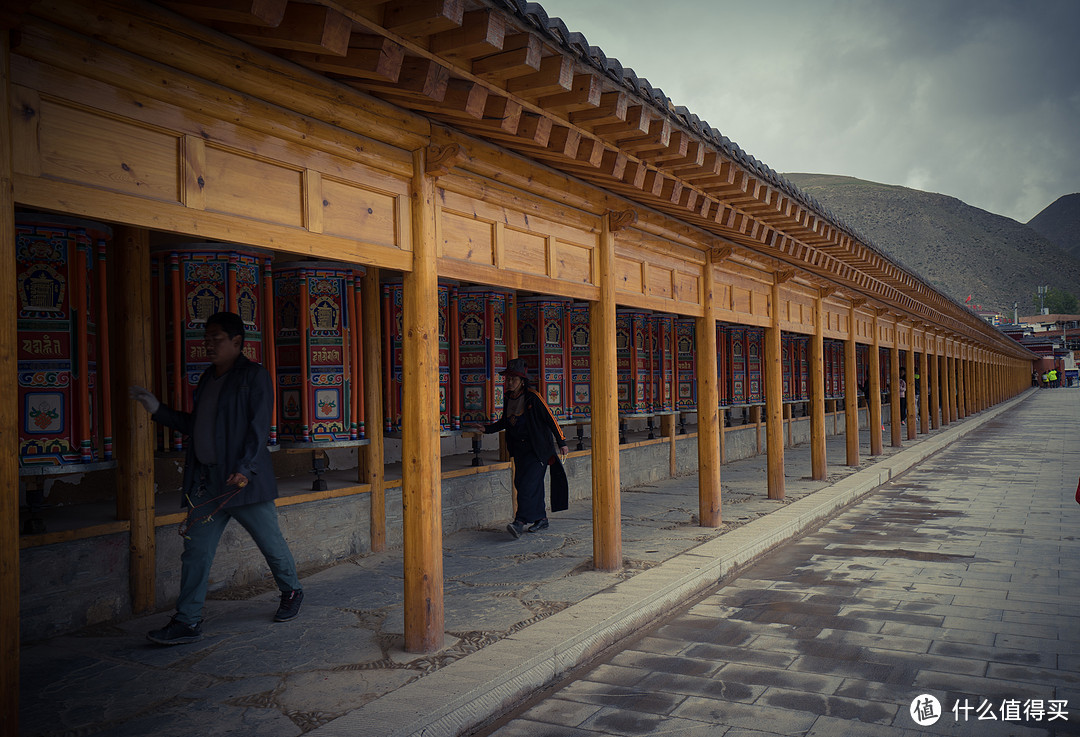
522,611
958,579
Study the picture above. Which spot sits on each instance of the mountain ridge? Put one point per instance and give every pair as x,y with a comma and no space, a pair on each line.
957,248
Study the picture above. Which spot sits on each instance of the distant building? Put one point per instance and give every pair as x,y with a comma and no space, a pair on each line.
1054,337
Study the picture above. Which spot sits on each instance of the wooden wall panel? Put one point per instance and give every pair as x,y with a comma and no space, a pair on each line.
573,263
79,146
466,239
354,211
236,184
835,320
659,281
524,251
628,275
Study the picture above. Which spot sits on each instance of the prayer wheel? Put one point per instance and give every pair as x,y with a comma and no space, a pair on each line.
318,348
478,352
62,352
580,362
190,282
545,345
664,352
746,380
635,362
686,364
393,361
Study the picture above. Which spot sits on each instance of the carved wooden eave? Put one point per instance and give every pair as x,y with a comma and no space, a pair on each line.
499,70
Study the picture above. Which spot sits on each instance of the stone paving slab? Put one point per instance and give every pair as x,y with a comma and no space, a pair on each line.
518,613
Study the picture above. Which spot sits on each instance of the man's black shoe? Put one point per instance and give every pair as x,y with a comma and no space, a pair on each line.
176,633
515,528
540,524
290,605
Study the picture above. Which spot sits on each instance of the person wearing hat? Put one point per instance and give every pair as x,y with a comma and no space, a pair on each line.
532,435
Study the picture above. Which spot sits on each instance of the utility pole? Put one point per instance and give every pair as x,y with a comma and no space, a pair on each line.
1042,296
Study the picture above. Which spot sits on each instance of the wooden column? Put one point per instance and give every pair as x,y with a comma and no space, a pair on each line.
894,389
950,377
924,388
135,451
961,377
851,394
933,385
972,393
909,368
9,416
946,389
708,390
421,485
774,398
873,401
607,508
818,463
372,469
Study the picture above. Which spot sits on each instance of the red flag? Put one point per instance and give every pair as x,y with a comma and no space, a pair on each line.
968,299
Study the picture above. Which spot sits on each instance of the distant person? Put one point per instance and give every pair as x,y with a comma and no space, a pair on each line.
903,396
532,435
1052,378
227,475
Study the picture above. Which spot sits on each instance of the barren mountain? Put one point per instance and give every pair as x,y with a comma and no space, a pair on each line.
958,249
1060,224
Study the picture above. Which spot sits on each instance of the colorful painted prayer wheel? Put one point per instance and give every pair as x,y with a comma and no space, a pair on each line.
191,282
478,352
634,362
580,362
834,369
664,351
746,349
393,359
318,347
544,343
63,343
686,364
796,365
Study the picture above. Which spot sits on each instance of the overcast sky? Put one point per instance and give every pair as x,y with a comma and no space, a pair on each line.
978,99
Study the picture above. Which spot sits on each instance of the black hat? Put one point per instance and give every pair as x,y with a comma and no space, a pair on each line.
516,367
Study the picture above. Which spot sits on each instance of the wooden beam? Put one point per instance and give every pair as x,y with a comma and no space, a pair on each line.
556,74
636,122
420,79
368,57
607,528
521,55
249,12
584,94
421,486
611,109
374,470
924,388
463,100
9,417
423,17
313,28
482,33
774,401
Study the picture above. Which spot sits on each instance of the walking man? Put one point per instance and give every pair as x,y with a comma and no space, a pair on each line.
227,474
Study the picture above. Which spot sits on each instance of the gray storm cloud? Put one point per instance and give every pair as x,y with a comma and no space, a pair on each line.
978,99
